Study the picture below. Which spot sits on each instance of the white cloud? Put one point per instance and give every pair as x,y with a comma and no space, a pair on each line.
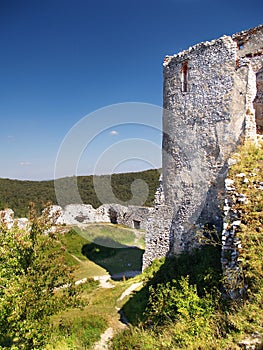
114,133
25,163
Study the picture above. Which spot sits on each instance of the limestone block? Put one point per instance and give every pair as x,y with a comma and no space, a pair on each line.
7,218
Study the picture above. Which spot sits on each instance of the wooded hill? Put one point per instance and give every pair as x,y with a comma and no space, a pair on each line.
17,194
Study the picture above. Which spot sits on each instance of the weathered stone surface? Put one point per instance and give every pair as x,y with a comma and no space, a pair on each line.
159,242
7,218
252,342
76,214
210,91
22,223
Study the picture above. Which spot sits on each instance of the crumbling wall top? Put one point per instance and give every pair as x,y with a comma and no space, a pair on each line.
200,48
246,35
249,42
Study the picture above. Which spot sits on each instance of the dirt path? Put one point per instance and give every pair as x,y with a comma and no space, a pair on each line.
104,281
129,290
105,338
76,258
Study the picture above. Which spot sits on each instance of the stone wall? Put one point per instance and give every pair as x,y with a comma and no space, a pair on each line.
231,244
81,214
160,240
234,210
7,219
209,91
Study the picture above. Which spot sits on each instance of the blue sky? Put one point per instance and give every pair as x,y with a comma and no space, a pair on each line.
64,59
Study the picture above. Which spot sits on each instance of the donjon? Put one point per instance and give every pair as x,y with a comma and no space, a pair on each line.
213,99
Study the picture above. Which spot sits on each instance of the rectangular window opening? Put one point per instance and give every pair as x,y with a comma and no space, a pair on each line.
136,224
184,72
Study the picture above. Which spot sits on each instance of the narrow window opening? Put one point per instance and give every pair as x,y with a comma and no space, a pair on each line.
184,71
136,224
113,216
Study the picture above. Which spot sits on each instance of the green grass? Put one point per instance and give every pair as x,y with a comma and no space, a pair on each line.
114,260
110,234
201,267
113,254
76,329
79,329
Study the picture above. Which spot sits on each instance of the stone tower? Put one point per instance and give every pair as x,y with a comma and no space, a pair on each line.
213,98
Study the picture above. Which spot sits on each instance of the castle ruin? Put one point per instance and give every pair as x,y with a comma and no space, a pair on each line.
83,214
213,99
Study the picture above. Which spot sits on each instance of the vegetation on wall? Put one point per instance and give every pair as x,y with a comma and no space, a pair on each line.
17,195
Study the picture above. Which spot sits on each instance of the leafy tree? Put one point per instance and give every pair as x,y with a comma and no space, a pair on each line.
32,268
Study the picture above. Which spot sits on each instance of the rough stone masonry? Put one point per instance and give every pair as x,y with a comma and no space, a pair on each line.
213,99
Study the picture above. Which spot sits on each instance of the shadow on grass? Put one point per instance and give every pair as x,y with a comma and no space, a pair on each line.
118,259
201,265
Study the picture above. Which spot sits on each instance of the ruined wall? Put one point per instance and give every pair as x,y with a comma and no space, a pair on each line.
134,216
209,91
81,214
159,237
7,219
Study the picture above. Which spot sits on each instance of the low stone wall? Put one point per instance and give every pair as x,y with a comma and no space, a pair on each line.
159,243
7,219
231,243
76,214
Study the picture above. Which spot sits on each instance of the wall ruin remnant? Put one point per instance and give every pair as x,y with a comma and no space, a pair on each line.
212,101
7,219
82,214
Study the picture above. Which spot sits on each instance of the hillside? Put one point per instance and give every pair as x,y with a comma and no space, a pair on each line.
17,194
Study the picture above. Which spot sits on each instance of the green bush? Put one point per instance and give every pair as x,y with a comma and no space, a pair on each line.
179,301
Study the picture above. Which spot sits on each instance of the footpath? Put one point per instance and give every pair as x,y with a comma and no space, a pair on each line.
106,336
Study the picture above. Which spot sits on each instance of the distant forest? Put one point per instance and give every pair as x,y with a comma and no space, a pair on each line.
17,194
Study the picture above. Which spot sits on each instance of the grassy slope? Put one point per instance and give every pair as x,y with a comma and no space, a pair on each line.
79,329
18,194
103,249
